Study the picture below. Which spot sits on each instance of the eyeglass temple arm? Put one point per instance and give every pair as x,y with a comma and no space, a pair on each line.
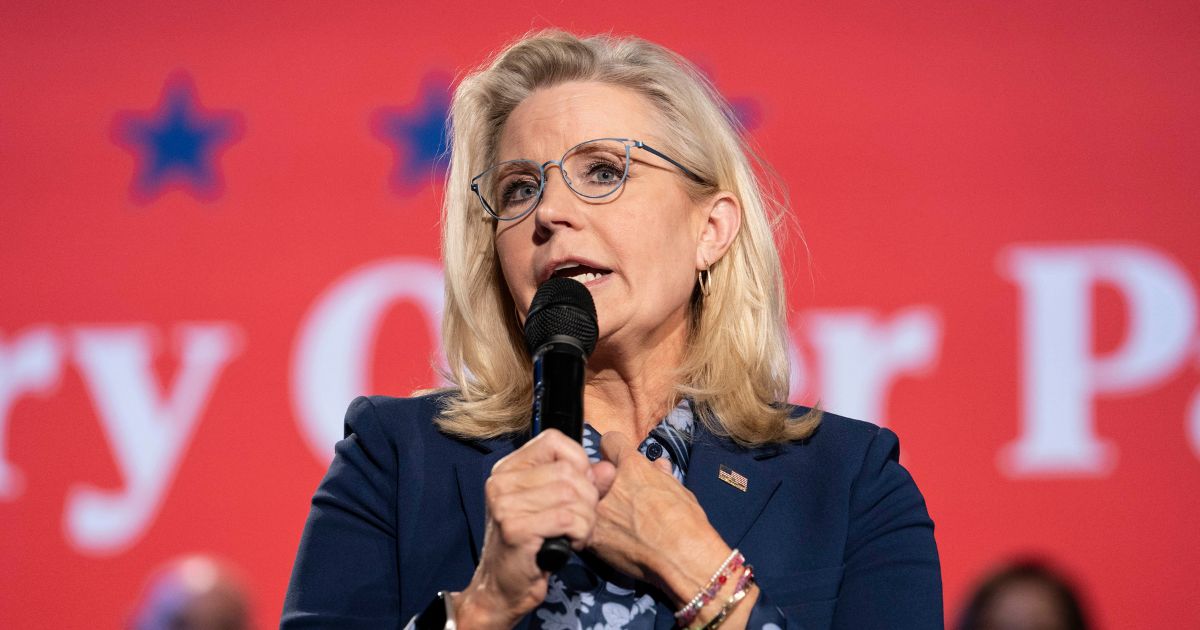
686,171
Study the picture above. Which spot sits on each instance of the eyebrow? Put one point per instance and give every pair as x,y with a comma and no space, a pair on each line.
511,166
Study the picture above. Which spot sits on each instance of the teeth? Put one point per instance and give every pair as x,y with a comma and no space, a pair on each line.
576,271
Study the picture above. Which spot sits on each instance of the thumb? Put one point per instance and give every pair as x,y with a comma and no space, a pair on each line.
603,476
615,446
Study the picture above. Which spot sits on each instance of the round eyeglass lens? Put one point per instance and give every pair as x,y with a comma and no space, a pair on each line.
596,169
510,188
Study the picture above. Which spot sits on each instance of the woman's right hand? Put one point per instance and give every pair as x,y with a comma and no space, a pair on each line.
543,490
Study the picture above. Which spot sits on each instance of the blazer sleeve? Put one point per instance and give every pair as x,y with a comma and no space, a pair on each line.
892,574
346,573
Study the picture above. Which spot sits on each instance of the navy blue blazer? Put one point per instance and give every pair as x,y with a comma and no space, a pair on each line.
837,531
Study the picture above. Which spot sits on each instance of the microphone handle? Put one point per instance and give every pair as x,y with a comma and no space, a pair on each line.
558,404
554,554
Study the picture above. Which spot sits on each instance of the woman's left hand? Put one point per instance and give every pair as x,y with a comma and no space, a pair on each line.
648,525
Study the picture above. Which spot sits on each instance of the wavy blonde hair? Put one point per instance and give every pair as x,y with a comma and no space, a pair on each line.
735,367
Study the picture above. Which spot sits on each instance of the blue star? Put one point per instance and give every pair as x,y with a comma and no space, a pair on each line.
747,111
175,145
417,135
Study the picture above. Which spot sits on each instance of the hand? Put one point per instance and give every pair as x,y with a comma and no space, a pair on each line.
544,489
648,525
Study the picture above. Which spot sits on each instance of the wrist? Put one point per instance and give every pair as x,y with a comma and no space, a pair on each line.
684,574
476,609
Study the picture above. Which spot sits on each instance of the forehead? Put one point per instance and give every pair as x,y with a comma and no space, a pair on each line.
554,119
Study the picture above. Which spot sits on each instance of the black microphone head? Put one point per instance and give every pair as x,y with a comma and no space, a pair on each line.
561,306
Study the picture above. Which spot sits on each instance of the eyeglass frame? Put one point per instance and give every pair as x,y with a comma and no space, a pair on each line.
537,199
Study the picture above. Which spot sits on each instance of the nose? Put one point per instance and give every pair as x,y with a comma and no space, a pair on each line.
558,208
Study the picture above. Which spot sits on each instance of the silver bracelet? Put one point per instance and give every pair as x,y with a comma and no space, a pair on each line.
687,613
438,615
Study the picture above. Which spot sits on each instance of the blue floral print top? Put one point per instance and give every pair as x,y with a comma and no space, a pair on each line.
586,594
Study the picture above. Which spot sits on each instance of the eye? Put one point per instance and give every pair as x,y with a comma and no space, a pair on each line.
518,191
604,172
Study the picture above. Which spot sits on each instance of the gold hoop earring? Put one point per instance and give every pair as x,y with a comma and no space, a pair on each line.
704,279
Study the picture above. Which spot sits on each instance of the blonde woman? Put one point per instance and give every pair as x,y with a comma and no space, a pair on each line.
698,498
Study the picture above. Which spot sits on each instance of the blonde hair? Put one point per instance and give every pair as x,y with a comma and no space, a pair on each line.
735,366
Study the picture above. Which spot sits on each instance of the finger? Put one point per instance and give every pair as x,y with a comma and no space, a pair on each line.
615,447
532,529
508,481
524,489
549,445
540,501
604,474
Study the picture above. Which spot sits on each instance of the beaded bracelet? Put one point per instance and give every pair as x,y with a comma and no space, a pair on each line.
739,593
689,612
706,594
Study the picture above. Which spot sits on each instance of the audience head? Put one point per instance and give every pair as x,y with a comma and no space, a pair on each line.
193,593
1024,595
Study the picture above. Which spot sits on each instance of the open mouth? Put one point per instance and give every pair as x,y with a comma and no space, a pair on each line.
580,273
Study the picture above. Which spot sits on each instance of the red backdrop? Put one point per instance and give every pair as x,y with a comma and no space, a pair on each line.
219,224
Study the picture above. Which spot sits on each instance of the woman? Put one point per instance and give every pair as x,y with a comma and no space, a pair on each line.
1025,594
438,505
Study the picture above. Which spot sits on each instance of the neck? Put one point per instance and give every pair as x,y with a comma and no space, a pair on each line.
631,386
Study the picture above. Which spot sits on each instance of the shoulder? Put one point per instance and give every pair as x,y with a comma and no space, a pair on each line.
857,460
388,417
865,459
391,413
401,425
845,440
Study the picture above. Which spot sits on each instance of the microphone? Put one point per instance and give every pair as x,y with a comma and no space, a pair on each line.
560,333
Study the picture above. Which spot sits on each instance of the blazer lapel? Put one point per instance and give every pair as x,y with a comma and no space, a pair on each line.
730,510
471,476
733,484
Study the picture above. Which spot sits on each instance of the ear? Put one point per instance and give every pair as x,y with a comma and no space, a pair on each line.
722,221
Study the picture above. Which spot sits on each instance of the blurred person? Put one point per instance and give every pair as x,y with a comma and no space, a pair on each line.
1024,595
193,593
699,497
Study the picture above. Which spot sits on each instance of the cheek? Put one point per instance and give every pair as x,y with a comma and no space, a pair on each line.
663,254
514,265
669,236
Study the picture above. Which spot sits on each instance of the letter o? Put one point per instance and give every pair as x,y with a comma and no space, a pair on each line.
1193,421
333,348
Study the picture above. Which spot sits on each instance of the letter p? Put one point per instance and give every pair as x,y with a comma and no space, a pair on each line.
1060,374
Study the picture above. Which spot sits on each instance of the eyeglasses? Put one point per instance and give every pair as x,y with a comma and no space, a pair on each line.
594,169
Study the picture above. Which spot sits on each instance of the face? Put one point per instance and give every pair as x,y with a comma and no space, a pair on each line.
637,250
1024,605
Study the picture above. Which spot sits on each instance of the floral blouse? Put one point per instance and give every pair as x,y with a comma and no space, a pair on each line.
586,594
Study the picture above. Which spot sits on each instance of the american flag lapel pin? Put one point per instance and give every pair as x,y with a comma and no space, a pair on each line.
732,477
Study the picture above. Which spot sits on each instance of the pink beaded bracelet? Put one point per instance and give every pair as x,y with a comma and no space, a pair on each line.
739,593
688,613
